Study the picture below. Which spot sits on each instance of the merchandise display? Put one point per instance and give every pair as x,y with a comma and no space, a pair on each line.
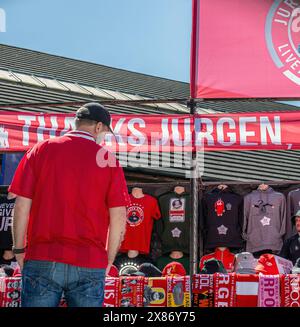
264,219
224,290
155,292
269,291
203,291
174,269
6,215
222,254
290,285
178,291
229,276
245,263
174,227
270,264
131,291
222,218
208,290
141,212
162,261
127,266
212,266
247,290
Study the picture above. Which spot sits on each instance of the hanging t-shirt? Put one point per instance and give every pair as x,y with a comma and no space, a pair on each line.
140,216
6,215
174,227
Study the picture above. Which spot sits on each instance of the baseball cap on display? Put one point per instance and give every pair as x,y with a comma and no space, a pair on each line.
150,270
212,266
174,269
245,263
95,111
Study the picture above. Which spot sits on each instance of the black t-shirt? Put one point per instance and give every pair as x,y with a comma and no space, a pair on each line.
6,215
222,219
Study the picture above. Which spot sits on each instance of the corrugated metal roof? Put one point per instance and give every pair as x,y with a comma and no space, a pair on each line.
252,165
13,93
34,62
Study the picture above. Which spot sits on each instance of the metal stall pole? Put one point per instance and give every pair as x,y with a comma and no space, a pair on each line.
194,203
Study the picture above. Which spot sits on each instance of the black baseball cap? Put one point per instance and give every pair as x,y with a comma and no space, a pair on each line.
94,111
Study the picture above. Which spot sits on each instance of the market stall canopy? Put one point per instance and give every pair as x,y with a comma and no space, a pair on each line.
245,49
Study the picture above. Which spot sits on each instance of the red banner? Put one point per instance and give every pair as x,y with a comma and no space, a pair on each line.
248,131
146,133
168,133
243,49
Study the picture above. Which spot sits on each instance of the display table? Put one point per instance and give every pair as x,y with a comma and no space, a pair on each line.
218,290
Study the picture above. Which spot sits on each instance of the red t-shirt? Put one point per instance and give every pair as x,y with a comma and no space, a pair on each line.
140,215
71,195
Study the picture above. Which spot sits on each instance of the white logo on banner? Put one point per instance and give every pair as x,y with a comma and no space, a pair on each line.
282,36
3,138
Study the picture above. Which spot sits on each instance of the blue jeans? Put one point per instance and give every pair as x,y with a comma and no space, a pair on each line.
44,282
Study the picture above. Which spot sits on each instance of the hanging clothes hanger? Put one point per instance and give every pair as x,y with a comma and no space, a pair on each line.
263,187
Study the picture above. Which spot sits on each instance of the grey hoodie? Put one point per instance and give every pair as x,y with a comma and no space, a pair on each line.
264,220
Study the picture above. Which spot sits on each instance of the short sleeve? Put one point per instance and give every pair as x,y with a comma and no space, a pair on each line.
117,195
156,211
24,180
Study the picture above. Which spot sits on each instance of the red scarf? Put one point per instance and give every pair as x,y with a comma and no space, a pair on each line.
290,290
224,290
203,290
111,292
246,290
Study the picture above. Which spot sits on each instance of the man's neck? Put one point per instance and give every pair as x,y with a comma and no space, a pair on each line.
84,131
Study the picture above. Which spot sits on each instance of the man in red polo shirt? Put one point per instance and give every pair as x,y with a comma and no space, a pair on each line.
70,192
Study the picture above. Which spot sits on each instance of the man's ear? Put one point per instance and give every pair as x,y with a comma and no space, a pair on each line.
99,127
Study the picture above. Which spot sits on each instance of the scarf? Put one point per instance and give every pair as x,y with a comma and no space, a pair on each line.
203,290
111,292
269,291
224,290
290,290
246,290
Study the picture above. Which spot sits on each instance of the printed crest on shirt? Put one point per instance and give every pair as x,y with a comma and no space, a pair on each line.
135,215
177,210
219,207
265,221
228,206
222,230
176,232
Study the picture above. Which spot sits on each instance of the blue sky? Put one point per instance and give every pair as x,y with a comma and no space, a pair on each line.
146,36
